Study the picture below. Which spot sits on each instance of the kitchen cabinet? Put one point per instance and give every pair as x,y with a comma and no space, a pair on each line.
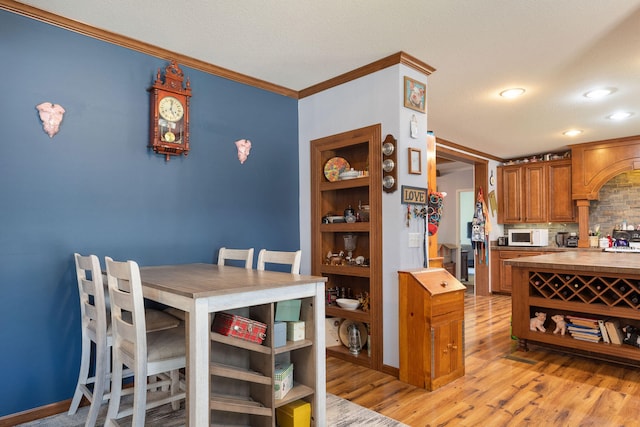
510,194
362,150
501,271
535,193
589,284
431,318
561,207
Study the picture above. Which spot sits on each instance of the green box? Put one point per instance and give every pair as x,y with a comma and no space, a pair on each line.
288,311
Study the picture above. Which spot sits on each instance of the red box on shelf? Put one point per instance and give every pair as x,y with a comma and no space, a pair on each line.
240,327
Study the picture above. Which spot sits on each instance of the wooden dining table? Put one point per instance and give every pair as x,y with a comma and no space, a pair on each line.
202,289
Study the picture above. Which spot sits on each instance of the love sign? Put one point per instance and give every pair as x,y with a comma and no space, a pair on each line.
414,195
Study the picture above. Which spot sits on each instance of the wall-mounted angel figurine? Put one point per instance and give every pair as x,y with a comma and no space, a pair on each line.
244,146
51,116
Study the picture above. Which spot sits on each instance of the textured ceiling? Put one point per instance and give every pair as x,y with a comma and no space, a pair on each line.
557,50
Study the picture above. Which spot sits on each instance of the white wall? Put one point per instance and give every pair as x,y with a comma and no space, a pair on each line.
375,98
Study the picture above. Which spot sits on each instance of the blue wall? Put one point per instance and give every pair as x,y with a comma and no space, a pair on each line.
96,188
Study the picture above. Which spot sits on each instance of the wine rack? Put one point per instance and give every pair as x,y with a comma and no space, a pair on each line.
617,292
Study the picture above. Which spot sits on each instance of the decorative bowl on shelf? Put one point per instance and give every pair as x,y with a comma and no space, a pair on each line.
348,303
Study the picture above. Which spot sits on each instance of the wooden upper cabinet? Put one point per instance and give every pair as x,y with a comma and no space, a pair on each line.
535,193
509,190
534,197
560,203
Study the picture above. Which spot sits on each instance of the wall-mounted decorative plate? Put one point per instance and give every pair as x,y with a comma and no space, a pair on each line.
388,182
388,165
334,167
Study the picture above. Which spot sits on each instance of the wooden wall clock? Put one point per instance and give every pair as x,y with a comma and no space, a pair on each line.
170,113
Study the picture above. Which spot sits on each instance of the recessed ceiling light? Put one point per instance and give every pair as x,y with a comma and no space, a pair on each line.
512,93
621,115
599,93
572,132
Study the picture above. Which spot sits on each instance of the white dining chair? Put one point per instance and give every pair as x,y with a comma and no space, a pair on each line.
156,356
279,257
95,319
246,255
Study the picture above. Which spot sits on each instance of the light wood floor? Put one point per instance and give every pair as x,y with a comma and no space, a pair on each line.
502,386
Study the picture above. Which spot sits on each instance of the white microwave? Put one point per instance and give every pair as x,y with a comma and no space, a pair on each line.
529,237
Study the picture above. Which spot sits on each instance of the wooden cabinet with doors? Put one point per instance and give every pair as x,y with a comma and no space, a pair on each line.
510,194
561,206
431,321
330,196
501,272
535,193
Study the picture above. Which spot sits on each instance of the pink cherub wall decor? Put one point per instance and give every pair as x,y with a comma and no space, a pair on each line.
51,116
244,146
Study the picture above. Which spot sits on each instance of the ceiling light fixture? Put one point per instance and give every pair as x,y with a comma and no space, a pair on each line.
620,115
512,93
572,132
599,93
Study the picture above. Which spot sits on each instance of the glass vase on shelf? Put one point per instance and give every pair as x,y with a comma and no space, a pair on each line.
350,242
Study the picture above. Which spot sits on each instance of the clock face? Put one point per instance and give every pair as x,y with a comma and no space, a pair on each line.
170,109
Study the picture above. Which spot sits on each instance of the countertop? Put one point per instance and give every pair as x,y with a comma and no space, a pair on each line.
542,248
583,261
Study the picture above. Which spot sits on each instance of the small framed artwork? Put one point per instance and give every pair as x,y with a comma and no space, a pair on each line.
415,94
415,161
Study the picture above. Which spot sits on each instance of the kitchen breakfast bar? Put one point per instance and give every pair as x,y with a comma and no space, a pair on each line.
601,286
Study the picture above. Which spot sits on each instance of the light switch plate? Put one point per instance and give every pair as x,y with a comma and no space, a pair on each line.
414,240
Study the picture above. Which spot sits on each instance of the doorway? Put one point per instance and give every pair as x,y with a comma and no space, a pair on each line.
466,261
445,156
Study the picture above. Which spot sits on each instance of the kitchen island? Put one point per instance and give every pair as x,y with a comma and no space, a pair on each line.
595,285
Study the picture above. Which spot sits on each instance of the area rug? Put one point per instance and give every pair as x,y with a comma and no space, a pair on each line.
340,413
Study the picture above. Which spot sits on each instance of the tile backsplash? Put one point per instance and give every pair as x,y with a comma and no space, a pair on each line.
619,201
